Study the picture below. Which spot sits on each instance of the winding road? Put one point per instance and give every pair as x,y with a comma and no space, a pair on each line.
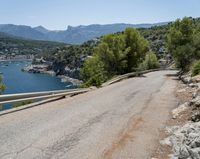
120,121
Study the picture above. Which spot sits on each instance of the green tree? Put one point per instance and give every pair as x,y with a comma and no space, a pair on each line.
196,41
150,62
138,47
93,72
180,42
116,54
112,52
196,68
2,86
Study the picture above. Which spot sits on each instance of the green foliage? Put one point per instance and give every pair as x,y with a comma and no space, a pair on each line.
150,62
182,42
19,104
196,68
93,72
138,47
196,40
116,54
73,55
156,37
2,86
11,44
112,53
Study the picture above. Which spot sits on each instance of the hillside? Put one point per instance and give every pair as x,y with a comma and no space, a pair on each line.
68,60
157,38
72,35
11,44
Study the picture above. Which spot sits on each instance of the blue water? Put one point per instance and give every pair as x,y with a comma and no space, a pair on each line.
17,81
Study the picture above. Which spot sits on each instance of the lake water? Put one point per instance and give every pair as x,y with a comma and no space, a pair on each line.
17,81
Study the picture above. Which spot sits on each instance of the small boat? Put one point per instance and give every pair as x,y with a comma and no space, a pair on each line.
1,73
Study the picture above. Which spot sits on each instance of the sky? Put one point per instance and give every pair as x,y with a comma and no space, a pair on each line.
58,14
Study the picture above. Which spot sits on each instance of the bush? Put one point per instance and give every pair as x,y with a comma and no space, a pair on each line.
19,104
2,86
116,54
196,68
150,62
182,42
93,73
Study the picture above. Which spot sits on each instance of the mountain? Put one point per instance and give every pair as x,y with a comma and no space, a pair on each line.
72,35
22,31
41,29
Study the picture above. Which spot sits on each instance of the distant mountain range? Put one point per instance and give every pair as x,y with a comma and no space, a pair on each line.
73,35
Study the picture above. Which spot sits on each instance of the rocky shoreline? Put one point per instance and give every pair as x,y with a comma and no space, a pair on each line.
45,69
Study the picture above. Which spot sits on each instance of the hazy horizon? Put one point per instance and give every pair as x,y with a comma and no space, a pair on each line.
57,15
80,25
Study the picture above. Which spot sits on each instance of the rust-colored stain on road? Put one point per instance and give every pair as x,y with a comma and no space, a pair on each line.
120,121
124,137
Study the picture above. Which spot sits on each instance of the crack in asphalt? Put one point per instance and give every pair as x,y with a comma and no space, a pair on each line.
131,96
67,142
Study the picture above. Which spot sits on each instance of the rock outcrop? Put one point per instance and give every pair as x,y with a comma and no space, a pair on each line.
185,139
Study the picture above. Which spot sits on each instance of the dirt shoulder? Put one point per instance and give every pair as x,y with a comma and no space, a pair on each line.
181,117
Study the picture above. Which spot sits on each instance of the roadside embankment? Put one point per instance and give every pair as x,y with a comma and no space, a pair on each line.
181,137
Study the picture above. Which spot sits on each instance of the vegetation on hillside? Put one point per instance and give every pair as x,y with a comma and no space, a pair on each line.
10,44
150,62
156,37
2,86
196,68
69,59
183,41
116,54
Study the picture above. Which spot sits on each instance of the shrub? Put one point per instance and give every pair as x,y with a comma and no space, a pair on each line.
19,104
116,54
196,68
93,72
180,42
150,62
2,86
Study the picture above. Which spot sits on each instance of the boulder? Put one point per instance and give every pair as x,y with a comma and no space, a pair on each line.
186,78
195,102
196,93
194,141
181,90
177,111
185,141
196,79
193,85
196,117
195,153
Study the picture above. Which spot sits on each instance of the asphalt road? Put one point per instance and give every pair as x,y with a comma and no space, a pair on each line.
120,121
